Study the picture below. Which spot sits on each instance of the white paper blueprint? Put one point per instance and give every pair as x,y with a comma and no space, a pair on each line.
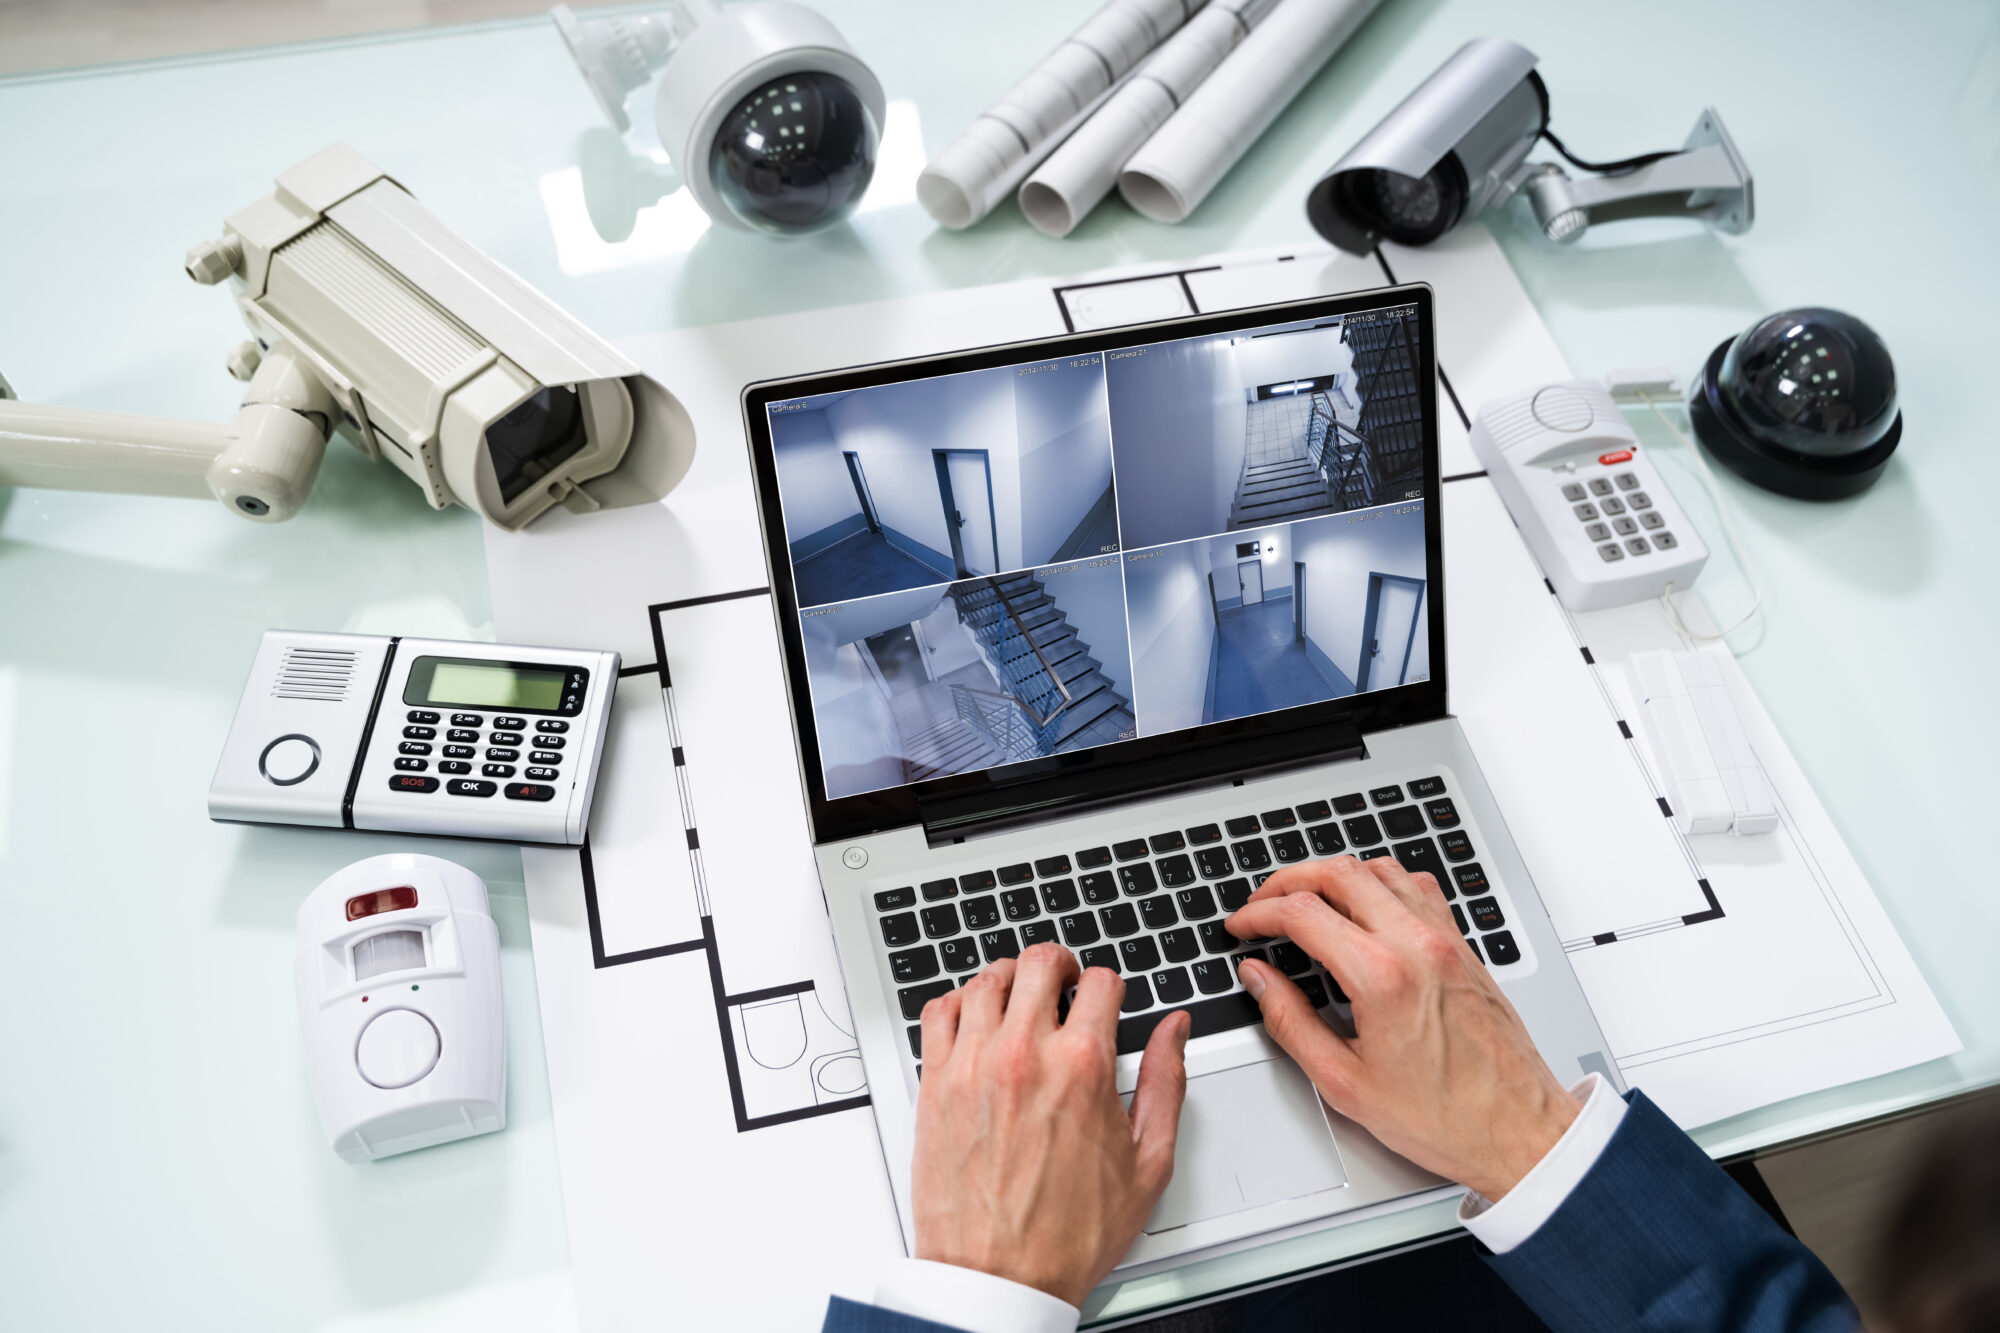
720,1168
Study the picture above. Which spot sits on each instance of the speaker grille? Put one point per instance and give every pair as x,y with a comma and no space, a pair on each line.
315,673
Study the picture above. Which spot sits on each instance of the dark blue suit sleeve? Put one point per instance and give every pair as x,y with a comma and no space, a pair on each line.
1658,1238
845,1316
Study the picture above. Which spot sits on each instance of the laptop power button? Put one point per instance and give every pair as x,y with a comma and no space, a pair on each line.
854,858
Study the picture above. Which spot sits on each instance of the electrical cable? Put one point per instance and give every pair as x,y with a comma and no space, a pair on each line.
1728,531
1621,167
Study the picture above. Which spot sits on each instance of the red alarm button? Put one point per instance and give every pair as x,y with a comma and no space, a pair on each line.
1622,456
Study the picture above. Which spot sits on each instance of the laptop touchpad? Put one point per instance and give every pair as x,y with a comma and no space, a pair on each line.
1249,1136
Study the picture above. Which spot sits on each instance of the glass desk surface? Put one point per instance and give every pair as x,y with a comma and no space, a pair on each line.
160,1161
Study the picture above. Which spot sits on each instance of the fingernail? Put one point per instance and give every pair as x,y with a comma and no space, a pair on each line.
1252,978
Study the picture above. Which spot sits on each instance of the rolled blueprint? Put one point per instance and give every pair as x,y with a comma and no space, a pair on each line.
983,165
1076,176
1176,168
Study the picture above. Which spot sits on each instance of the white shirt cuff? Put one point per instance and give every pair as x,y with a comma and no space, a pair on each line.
974,1301
1502,1226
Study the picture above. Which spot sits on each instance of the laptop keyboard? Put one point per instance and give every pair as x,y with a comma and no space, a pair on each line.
1152,908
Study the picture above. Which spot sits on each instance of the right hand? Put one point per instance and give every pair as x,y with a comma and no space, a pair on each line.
1443,1070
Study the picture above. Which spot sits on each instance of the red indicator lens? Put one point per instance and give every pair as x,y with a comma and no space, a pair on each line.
382,900
1622,456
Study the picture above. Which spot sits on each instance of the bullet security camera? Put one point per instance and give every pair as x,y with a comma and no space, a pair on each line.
771,118
1460,143
371,318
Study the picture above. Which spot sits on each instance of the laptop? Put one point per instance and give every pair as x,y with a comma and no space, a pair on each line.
1087,637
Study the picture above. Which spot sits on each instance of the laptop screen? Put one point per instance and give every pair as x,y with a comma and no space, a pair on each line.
1028,560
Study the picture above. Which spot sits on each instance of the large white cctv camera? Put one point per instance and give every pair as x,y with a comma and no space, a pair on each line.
771,118
1460,144
371,318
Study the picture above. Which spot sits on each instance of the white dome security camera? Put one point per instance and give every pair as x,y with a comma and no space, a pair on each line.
771,118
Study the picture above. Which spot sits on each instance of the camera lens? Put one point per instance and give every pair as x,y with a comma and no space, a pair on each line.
796,154
1409,210
533,439
1812,380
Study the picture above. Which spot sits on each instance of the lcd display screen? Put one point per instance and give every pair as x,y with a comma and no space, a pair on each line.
495,685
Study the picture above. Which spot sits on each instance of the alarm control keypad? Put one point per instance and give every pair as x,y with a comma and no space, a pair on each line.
1617,515
497,747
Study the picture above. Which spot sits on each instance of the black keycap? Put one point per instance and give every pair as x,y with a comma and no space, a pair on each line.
408,765
1098,887
1326,840
1458,915
462,735
915,998
1220,1013
1180,945
1422,854
410,782
1485,913
1290,959
977,882
511,723
1196,903
1257,881
420,733
1140,955
1214,975
981,913
941,921
1406,822
1288,846
1473,945
1172,985
1020,905
960,955
1372,853
1157,912
505,738
454,766
414,747
1456,846
1277,819
1119,920
1175,871
1203,834
1038,932
1059,895
1423,787
1251,855
1019,873
546,742
1129,850
1258,954
1470,878
544,757
998,944
1214,862
496,770
1442,812
1162,843
916,1041
1138,995
1314,992
554,724
1333,984
935,889
418,715
540,774
1093,858
1051,866
900,929
1312,812
1243,826
1215,937
1351,804
918,964
1385,795
467,720
1104,955
1501,949
1362,830
1079,929
895,900
470,787
1137,880
1234,893
502,756
460,751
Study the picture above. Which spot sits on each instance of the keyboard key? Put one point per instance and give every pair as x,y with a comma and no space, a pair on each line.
1314,992
1038,932
1059,896
1234,893
1119,920
1485,913
1180,945
1639,500
1425,787
467,720
1458,915
505,738
1290,959
1138,995
1020,905
463,735
981,913
1093,858
1385,795
470,787
1172,985
1372,853
1019,873
1214,975
413,747
1615,506
894,900
1157,912
977,882
420,733
1048,867
1406,822
1627,481
1277,819
941,921
1584,512
1215,938
1220,1013
1099,887
1104,955
411,782
1599,486
1243,826
939,888
1457,847
1572,491
1137,879
515,724
498,771
1140,955
1665,541
1130,850
1501,949
1326,840
960,955
1162,843
459,751
539,774
1196,903
1252,855
1079,929
1203,834
1175,871
998,944
1470,878
1312,812
918,964
418,716
1443,813
1473,945
1288,846
454,766
1421,854
1362,830
1351,804
915,998
1214,862
1333,984
1258,954
917,1041
1652,520
552,724
1598,532
544,757
409,765
900,929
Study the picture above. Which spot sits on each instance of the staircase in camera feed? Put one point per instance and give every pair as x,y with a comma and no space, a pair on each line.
1057,697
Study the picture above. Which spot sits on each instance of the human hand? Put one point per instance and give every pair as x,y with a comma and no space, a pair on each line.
1442,1069
1027,1165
